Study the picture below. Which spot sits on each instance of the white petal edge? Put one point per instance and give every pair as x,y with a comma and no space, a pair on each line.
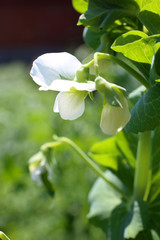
55,108
65,85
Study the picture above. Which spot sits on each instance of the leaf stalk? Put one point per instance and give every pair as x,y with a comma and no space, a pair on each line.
90,163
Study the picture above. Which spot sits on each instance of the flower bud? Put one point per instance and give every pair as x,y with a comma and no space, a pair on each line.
37,167
114,118
110,91
41,172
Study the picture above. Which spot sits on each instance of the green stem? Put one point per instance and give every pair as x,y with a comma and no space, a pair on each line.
125,66
142,171
90,163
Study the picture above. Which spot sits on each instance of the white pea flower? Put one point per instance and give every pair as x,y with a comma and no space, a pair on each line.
57,72
114,118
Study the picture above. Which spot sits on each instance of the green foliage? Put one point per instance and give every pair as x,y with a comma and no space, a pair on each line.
117,154
108,209
138,47
102,195
155,72
150,16
92,38
143,51
146,112
118,218
101,14
114,151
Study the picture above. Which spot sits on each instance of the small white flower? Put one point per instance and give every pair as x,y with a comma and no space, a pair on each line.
114,118
57,71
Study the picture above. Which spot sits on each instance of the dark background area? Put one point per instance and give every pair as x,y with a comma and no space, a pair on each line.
32,27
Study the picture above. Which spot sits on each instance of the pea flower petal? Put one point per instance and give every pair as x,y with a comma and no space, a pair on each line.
70,105
114,118
54,66
66,85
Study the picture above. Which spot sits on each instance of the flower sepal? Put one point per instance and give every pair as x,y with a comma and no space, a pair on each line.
82,74
110,91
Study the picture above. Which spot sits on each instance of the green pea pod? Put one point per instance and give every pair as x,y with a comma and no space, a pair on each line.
3,236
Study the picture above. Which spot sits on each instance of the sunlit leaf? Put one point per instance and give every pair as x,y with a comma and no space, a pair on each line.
80,5
118,154
150,16
138,47
109,151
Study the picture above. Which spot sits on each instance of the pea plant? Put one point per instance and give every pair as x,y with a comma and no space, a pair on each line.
125,199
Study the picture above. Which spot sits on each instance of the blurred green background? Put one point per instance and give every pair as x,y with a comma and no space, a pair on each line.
26,122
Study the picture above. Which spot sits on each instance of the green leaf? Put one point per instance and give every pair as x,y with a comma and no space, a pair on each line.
154,203
155,70
154,195
91,38
128,223
110,151
127,41
154,235
138,47
106,153
118,154
117,223
147,235
150,16
156,152
103,199
101,14
146,113
113,214
138,219
80,6
136,94
142,3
